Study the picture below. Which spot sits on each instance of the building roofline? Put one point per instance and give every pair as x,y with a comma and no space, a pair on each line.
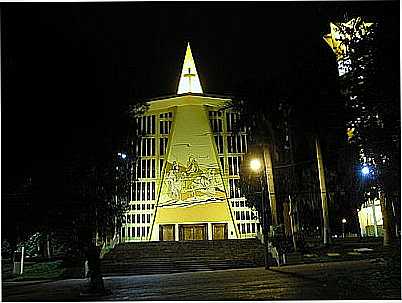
217,96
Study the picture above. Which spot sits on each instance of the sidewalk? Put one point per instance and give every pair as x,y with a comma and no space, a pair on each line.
362,280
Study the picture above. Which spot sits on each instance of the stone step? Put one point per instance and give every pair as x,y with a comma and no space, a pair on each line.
170,257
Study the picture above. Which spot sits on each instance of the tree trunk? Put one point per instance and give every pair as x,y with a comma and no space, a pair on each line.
269,176
389,235
48,246
291,214
323,189
95,276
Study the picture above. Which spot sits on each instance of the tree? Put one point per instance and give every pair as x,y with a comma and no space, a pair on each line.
373,124
103,186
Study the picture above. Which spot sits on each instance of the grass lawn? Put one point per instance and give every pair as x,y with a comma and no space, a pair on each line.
34,271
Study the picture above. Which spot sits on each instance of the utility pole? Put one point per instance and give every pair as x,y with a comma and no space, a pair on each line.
269,176
323,190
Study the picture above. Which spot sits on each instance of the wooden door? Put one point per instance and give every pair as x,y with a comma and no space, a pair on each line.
192,232
166,232
220,231
199,232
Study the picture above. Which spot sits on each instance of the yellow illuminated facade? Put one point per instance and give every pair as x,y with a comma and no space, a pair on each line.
370,218
185,184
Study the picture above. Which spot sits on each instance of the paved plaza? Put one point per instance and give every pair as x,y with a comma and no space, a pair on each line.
364,279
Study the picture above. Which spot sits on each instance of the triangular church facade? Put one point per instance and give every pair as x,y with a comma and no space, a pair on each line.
186,179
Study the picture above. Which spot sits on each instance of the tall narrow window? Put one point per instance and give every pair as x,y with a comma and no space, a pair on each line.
152,190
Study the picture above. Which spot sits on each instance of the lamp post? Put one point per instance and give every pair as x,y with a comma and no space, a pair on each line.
343,227
256,166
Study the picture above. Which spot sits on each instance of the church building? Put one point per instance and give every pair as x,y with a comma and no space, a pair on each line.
186,180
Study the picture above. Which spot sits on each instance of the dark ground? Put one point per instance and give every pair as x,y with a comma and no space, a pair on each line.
377,278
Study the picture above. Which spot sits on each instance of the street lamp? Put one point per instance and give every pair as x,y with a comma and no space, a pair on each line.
365,170
343,227
255,166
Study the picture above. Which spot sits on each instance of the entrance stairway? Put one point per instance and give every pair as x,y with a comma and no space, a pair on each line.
171,257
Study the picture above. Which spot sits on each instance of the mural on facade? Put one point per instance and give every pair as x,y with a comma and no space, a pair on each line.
190,184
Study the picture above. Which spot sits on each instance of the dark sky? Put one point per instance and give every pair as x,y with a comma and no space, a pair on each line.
69,71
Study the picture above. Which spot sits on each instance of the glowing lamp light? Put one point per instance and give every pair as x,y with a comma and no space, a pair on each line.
122,155
255,165
365,170
343,220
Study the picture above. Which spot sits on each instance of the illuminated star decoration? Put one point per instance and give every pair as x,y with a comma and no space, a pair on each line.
341,32
340,36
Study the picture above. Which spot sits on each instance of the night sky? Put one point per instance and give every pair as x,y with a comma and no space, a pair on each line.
69,71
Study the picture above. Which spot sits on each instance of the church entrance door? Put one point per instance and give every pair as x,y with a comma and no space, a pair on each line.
191,232
219,231
166,232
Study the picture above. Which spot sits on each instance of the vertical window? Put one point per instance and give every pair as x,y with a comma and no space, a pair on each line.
248,228
143,168
143,218
148,191
161,128
219,143
160,165
143,231
153,124
153,190
138,232
123,232
138,218
234,188
163,142
133,231
152,147
138,191
142,191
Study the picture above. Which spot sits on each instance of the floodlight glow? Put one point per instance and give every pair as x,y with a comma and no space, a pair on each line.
123,156
343,220
255,165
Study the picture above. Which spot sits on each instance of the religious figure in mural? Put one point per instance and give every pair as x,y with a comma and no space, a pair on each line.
174,182
193,183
